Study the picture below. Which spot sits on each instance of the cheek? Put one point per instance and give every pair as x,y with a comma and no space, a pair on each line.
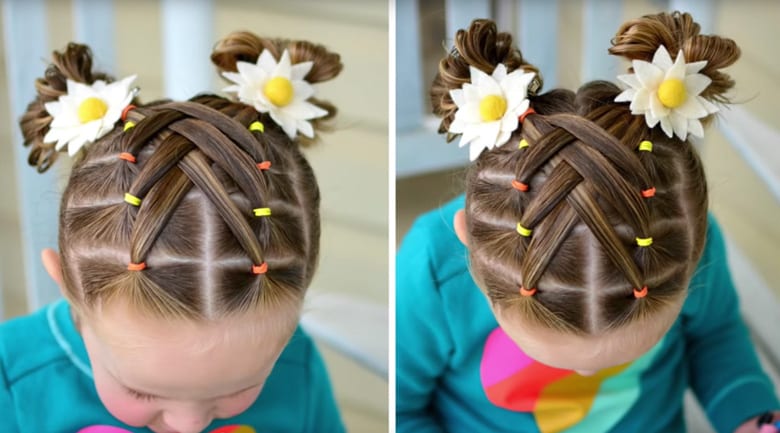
123,406
237,405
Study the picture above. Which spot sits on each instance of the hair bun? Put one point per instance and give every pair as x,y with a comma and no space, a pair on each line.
246,47
75,63
638,39
481,46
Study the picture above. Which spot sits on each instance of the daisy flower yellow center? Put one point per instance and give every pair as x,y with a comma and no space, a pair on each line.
91,109
492,108
279,91
672,93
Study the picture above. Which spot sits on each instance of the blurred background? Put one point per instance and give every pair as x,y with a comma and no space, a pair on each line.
167,43
568,41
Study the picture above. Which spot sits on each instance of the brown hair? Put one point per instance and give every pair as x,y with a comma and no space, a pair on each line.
585,176
196,173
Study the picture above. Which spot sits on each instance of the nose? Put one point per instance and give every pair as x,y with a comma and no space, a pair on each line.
187,421
586,372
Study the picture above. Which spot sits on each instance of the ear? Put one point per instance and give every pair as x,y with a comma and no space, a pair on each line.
51,262
459,222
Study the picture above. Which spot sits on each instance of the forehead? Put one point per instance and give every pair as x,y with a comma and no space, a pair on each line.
183,357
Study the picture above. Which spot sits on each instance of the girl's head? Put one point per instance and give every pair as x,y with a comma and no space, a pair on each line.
586,223
189,232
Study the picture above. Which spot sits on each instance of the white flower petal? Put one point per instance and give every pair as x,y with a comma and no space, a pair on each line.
692,68
696,83
519,109
651,120
266,62
509,122
305,128
302,90
499,73
648,74
300,70
641,100
470,113
662,59
458,125
470,134
471,93
709,106
680,125
626,95
76,144
677,71
477,76
503,137
666,125
287,123
488,134
457,97
475,149
691,109
657,108
250,73
631,80
303,110
235,78
489,86
695,128
283,68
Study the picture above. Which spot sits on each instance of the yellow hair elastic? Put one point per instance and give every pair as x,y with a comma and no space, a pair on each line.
128,125
131,199
646,146
262,211
523,143
257,126
523,231
644,242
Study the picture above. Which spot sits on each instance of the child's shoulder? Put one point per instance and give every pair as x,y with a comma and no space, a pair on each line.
27,343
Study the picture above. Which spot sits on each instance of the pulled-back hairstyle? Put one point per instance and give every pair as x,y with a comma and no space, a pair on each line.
197,174
585,175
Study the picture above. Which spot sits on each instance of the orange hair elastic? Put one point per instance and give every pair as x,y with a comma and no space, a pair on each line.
526,113
127,156
640,293
127,110
265,165
260,269
527,292
520,186
647,193
136,266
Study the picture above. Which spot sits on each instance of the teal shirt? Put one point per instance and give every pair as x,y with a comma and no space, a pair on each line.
458,372
46,384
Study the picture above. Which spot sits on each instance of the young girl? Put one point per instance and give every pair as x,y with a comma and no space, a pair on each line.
580,285
189,233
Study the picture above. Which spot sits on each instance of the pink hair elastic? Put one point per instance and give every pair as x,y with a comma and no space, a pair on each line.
260,269
527,292
526,113
127,157
640,293
136,266
265,165
520,186
647,193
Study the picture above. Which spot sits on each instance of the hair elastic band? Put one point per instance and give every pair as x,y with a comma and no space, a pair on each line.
262,211
644,242
646,146
527,292
127,110
136,266
647,193
265,165
260,269
520,186
128,125
523,144
131,199
640,293
526,113
523,231
127,156
257,126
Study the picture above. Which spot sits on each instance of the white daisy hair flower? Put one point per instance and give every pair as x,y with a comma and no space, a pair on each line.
87,112
669,93
489,107
278,89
